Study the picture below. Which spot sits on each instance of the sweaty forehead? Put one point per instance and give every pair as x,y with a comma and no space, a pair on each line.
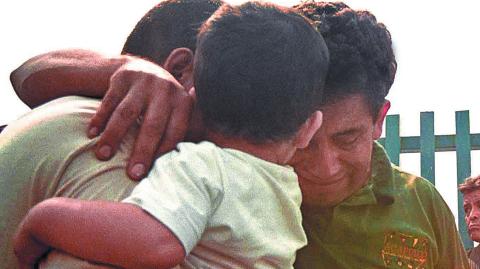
346,103
351,111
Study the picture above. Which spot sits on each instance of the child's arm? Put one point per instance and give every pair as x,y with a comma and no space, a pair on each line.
113,233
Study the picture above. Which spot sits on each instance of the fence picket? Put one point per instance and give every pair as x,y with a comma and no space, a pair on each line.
463,147
392,138
427,146
463,142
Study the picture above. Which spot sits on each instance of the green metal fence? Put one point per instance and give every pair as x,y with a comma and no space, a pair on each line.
462,142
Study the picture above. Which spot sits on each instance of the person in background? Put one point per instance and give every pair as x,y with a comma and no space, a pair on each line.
470,189
360,211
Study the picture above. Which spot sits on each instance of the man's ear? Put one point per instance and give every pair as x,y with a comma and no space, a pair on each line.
180,64
378,124
308,130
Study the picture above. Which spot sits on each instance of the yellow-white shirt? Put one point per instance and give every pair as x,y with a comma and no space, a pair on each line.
228,208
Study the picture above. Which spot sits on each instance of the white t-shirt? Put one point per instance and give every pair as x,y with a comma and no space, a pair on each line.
228,208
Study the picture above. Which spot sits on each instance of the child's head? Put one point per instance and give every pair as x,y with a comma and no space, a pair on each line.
259,72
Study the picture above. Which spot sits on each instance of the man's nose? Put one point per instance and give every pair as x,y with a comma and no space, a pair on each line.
329,163
475,213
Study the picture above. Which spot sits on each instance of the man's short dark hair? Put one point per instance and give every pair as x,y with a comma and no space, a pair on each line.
361,55
259,71
169,25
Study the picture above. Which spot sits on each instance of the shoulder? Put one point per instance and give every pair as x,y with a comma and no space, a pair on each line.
66,106
406,181
191,154
45,140
62,116
201,149
49,132
413,189
191,160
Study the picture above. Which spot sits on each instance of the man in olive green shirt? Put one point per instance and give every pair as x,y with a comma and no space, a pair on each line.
397,220
359,210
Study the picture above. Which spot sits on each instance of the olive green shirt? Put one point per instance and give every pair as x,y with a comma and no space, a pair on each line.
398,220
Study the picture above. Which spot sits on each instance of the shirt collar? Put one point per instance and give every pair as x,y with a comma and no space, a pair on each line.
380,188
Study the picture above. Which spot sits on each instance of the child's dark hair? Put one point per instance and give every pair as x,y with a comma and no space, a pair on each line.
259,71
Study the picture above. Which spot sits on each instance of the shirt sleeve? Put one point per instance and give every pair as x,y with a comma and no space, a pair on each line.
182,191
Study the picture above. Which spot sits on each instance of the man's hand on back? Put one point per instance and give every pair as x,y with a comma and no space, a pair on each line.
141,89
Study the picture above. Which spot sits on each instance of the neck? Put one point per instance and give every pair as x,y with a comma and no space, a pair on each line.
275,152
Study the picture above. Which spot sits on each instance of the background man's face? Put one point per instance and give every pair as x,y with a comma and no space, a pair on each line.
471,205
337,162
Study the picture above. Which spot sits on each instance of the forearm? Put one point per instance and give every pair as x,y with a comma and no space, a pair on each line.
112,233
64,72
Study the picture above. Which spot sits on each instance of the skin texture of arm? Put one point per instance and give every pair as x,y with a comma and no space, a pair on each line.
64,72
118,234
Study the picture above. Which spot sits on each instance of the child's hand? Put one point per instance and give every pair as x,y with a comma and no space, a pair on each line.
27,249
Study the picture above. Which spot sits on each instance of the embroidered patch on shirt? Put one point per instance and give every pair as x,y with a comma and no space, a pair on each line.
404,251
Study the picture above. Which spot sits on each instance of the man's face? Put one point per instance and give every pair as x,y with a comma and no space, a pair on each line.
337,161
471,205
